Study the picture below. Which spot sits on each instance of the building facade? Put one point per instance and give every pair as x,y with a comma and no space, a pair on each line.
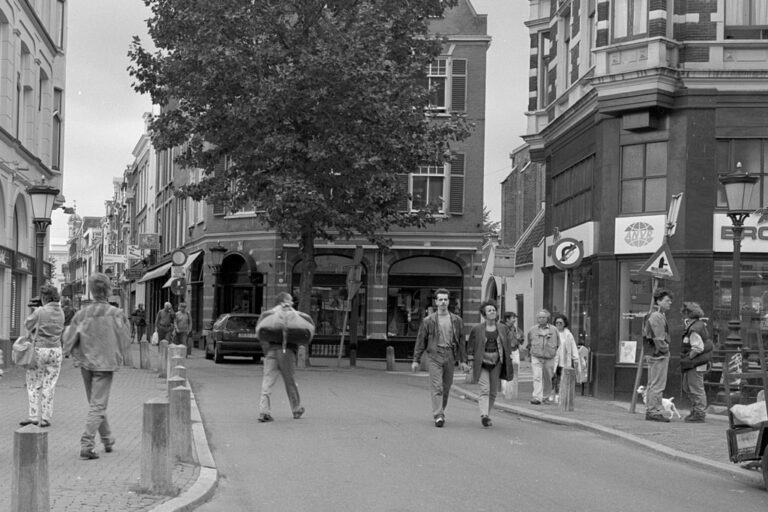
397,285
633,102
32,85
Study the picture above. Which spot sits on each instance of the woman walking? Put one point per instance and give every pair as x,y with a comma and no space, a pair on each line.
45,324
490,355
567,353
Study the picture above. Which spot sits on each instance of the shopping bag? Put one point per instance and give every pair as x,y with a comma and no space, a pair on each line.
155,338
23,353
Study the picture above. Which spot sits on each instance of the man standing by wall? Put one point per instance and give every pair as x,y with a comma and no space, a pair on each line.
183,327
542,342
441,336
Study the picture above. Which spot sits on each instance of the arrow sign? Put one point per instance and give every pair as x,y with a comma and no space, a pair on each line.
661,265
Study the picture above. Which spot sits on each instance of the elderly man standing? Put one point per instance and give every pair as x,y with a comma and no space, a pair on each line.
542,341
164,323
183,327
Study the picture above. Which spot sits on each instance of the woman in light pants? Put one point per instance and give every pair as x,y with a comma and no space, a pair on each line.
490,356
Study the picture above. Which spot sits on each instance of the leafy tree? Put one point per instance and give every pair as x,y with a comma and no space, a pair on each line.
317,106
490,227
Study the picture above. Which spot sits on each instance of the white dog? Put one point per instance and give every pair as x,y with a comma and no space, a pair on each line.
667,403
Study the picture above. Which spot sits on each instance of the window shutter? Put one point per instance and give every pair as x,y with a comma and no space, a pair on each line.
402,185
459,85
219,207
456,193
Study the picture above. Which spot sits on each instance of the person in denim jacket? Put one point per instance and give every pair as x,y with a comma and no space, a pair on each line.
542,342
45,324
656,336
96,339
441,336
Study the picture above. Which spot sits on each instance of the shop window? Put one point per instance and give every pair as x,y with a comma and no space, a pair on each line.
580,298
644,178
630,19
572,195
635,297
753,156
746,19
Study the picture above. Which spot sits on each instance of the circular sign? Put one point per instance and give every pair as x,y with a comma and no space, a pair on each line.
567,253
179,257
178,286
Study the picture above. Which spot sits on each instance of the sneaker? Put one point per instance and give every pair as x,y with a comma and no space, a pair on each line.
656,417
486,421
439,422
298,412
108,446
88,454
694,418
536,401
264,418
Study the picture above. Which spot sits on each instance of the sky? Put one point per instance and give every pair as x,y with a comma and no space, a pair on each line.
103,114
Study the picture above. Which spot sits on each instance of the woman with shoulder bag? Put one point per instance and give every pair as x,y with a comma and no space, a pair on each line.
47,322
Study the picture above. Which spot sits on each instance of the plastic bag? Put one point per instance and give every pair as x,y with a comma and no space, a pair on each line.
23,353
155,338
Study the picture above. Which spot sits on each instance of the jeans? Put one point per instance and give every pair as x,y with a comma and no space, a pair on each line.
41,382
657,381
140,330
489,381
440,366
693,387
543,370
165,333
277,362
97,388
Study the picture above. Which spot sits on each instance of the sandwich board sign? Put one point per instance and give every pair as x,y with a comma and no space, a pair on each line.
661,265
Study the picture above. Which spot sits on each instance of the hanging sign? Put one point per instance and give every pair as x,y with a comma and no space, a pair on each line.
661,265
567,253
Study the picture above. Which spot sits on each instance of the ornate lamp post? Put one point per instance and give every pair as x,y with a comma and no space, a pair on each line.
739,186
217,256
42,197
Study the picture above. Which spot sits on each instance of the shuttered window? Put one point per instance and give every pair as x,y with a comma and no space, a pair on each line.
456,194
447,80
459,85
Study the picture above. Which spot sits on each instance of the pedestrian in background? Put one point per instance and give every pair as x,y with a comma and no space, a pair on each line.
68,310
183,326
95,340
542,342
516,335
656,338
567,352
441,336
280,353
695,356
45,325
139,318
489,354
164,323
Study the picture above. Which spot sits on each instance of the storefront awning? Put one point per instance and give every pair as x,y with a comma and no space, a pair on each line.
154,274
190,260
168,282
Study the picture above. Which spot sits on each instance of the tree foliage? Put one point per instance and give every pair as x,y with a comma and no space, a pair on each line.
316,105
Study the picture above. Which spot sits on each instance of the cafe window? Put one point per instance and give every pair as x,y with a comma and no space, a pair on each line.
410,292
635,296
330,306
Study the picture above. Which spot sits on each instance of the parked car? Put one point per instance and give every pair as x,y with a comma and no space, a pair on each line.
233,334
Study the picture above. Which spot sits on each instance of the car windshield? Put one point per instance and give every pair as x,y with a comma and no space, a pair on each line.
242,324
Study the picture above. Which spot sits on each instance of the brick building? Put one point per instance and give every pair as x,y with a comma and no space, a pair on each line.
632,102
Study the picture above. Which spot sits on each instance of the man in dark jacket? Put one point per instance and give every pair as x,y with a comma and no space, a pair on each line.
441,336
695,354
164,323
139,318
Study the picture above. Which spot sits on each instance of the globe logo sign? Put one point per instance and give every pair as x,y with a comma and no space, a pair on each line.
638,234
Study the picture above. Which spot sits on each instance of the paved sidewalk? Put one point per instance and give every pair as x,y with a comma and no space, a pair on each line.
110,482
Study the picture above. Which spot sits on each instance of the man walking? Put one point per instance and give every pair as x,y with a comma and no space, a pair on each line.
96,339
656,338
542,342
276,330
183,327
164,323
139,318
441,336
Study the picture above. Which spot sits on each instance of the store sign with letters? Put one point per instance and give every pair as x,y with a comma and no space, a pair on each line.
754,238
639,235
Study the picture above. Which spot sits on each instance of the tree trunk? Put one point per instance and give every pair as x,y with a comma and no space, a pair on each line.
308,266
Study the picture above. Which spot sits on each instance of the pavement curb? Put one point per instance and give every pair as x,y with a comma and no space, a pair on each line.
208,477
733,471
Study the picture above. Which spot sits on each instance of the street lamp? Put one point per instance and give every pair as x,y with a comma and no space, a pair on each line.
43,197
217,256
739,186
